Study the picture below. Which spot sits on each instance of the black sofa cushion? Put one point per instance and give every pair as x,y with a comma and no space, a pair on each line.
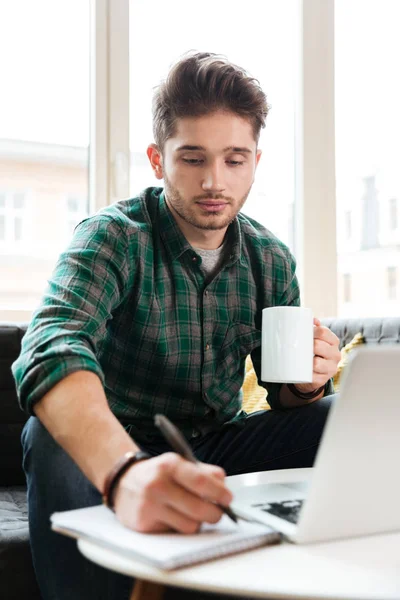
11,472
17,577
12,418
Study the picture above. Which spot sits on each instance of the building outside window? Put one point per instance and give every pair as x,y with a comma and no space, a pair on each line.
367,45
392,283
2,217
393,214
44,139
44,143
348,224
76,208
13,226
346,287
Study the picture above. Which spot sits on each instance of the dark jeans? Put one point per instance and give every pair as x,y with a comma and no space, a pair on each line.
266,440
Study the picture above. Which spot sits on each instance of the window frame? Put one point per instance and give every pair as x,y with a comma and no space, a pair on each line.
109,106
315,160
72,218
315,203
9,244
315,191
392,283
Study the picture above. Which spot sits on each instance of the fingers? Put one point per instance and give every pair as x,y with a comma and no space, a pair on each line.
321,366
172,491
169,519
177,521
202,480
169,492
326,355
326,335
156,517
326,351
324,369
191,506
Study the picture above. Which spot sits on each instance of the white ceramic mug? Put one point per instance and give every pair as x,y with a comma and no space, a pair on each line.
287,344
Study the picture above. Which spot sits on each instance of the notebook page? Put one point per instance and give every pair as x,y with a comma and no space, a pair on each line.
164,550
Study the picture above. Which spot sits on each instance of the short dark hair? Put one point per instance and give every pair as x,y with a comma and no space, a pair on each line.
201,83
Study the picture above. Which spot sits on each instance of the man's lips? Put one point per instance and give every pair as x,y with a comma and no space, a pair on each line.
212,205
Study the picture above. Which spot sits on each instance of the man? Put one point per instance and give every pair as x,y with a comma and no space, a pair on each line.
153,308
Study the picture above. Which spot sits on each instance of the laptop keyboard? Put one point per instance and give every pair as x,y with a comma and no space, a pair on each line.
287,509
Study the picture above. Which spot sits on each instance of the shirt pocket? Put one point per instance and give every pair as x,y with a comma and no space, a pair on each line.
239,342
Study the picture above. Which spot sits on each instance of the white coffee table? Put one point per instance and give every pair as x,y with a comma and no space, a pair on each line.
365,568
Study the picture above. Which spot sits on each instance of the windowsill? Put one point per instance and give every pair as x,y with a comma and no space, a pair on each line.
10,315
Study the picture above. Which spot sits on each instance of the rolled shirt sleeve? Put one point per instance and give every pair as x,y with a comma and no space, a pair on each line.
87,284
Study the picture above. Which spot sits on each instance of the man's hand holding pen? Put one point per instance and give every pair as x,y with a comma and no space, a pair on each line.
168,492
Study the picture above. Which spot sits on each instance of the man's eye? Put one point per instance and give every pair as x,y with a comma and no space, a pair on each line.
192,161
235,163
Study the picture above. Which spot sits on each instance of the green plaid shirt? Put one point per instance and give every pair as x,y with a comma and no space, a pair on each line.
129,301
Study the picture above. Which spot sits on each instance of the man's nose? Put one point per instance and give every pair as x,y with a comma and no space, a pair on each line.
213,180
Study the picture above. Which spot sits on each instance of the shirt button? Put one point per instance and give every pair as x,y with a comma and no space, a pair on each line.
206,293
194,259
207,346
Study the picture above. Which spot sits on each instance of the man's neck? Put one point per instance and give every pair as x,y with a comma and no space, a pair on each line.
204,241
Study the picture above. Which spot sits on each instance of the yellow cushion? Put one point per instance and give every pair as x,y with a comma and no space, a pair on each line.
254,396
357,340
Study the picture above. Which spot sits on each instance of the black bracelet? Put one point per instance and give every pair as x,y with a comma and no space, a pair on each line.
124,463
305,395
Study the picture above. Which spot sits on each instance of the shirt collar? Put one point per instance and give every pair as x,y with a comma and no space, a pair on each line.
173,238
177,244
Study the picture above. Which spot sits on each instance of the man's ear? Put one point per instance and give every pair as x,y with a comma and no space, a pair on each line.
258,156
155,158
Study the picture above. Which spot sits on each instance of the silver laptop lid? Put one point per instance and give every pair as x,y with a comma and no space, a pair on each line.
356,484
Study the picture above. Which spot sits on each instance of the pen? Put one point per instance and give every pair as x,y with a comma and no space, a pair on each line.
178,443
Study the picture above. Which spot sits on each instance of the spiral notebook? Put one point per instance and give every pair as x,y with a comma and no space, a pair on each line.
163,550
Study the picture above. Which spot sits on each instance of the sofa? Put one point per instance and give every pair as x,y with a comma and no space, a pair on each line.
17,579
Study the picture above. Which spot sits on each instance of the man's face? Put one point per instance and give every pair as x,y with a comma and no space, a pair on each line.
208,168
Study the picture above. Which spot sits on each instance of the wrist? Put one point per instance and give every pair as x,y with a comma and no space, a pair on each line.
305,391
119,469
305,388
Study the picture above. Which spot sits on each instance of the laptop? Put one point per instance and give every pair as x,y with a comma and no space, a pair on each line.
354,486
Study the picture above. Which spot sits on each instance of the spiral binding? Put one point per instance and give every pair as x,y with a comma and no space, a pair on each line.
204,555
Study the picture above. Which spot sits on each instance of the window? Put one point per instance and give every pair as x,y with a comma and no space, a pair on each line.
347,216
76,208
392,283
13,226
251,42
46,136
44,141
393,215
367,46
346,287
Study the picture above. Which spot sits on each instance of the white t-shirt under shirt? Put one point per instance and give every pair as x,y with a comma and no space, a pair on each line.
211,260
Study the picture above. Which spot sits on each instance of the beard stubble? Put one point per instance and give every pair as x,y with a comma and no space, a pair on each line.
210,221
